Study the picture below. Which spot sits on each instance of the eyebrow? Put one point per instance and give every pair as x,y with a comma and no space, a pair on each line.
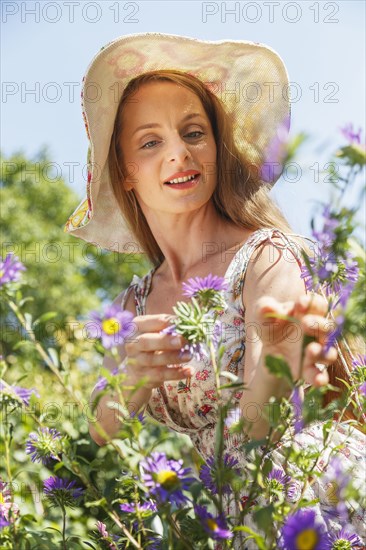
156,125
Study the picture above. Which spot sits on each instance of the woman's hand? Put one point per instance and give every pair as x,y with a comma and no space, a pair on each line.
281,336
154,355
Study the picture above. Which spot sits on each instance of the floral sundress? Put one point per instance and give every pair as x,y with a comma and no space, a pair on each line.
190,407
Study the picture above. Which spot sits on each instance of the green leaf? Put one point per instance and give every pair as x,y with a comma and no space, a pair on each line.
279,367
45,317
258,539
263,517
53,354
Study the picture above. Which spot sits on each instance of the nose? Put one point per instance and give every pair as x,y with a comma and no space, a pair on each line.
178,149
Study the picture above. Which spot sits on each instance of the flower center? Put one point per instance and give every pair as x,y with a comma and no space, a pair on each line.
342,544
212,524
111,326
2,499
167,479
307,540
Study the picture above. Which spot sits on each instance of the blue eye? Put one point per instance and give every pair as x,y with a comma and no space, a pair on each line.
195,134
149,144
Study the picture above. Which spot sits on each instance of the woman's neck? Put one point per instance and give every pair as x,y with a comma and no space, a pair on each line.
192,239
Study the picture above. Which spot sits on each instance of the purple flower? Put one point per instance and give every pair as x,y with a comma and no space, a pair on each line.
209,473
61,492
3,522
362,389
206,290
113,327
215,527
302,531
102,382
137,507
279,482
350,135
359,361
276,153
16,393
43,445
10,269
297,403
337,481
202,284
166,478
343,540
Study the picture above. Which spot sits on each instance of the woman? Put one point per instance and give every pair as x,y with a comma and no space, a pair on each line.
183,160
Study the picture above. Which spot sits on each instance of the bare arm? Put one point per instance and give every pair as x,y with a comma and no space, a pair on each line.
147,356
273,284
107,416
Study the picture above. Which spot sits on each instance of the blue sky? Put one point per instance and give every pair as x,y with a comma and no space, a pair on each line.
47,46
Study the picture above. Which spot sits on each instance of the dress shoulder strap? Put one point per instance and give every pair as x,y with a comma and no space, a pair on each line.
280,240
140,287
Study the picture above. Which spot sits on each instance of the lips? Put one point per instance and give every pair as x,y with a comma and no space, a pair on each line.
182,177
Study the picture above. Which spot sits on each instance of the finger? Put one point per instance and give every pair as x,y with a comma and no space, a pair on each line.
154,341
316,377
269,308
159,375
162,359
152,323
317,326
311,303
314,353
315,361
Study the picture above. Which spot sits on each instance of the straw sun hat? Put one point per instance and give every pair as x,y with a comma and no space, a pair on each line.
249,78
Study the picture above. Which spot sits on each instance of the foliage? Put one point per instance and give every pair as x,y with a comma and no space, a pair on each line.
59,490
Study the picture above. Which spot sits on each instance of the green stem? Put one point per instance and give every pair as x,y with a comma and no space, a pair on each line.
49,362
63,527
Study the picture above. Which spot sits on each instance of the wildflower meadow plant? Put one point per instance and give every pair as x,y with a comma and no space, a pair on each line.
148,488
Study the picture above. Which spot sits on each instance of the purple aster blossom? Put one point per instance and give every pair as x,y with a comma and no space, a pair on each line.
10,269
276,153
343,540
216,528
3,522
337,481
43,445
297,403
362,389
154,543
61,492
350,135
114,326
335,333
196,285
16,393
359,361
102,382
137,507
302,530
335,473
166,478
279,482
209,473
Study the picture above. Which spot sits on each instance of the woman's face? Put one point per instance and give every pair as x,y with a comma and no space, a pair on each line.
167,137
